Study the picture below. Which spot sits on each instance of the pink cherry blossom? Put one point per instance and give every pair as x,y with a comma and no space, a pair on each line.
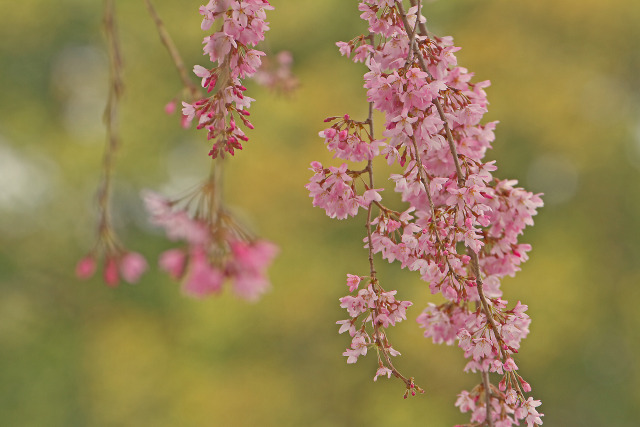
215,253
132,266
173,262
353,282
382,371
110,273
86,267
201,279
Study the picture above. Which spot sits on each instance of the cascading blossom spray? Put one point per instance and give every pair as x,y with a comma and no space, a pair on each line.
459,227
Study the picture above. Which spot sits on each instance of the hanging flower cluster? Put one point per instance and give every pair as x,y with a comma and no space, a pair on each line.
118,260
460,226
231,49
217,247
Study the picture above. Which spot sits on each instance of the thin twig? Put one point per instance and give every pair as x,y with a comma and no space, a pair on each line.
110,118
487,395
370,209
422,25
167,41
382,343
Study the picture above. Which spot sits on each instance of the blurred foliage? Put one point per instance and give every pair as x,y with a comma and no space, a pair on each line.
566,89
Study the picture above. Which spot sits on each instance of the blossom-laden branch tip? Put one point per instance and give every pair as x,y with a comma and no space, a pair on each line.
225,113
460,226
118,261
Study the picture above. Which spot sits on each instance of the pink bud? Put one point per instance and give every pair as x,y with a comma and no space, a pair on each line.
86,267
110,273
329,133
132,266
525,385
173,262
202,279
185,122
170,108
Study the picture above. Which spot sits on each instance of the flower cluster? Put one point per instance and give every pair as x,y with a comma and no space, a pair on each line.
376,309
231,49
333,190
460,225
118,262
217,247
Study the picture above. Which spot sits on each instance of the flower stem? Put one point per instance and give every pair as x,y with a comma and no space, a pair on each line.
167,41
110,118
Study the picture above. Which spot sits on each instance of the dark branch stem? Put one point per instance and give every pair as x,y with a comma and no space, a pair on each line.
487,395
110,118
167,41
421,25
370,209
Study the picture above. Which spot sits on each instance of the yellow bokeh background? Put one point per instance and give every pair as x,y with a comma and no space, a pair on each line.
566,90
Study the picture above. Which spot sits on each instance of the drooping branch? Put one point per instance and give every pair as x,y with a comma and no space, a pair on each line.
110,118
167,41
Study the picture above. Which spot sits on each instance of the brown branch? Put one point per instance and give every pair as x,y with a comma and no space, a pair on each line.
370,209
380,338
421,25
110,119
167,41
487,396
437,103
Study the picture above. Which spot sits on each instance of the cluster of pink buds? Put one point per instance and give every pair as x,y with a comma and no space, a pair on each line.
459,227
118,262
217,247
231,50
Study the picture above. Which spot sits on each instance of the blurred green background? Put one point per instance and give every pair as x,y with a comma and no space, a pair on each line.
566,89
